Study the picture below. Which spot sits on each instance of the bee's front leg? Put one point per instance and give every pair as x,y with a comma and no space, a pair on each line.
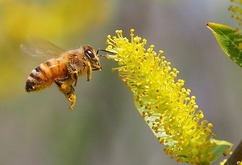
89,72
67,90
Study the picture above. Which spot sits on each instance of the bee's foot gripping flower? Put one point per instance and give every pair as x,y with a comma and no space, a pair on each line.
163,102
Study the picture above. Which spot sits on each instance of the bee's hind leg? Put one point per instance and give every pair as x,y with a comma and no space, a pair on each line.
67,90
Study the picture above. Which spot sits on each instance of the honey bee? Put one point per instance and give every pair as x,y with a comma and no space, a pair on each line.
63,70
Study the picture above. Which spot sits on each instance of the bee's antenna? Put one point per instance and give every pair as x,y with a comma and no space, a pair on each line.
103,50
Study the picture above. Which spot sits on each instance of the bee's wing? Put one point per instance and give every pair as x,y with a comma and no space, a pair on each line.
41,47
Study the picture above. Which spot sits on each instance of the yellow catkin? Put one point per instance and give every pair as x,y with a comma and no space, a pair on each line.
236,11
161,99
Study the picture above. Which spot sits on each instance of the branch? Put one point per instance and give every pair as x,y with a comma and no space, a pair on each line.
236,156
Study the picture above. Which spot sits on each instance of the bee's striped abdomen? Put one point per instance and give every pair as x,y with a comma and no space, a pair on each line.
44,75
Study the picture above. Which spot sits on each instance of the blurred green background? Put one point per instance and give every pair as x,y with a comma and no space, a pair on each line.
105,128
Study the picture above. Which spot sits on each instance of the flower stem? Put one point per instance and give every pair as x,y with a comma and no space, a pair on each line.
236,157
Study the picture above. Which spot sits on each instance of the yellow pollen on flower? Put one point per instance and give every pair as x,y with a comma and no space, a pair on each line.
161,99
236,10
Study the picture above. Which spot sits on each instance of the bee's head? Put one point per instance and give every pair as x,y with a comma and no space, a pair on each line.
93,58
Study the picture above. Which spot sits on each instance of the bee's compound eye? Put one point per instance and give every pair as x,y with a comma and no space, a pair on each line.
89,54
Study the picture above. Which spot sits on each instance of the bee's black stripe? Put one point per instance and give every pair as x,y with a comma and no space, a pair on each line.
35,77
42,70
49,64
38,69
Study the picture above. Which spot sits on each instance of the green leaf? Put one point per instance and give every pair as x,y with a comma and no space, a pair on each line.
229,40
221,147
